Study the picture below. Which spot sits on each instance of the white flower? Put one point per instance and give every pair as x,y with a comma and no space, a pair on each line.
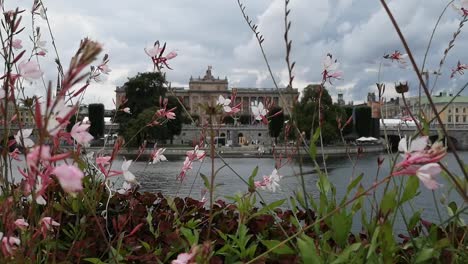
158,156
126,186
258,110
225,102
128,176
270,182
196,154
427,174
25,138
57,117
416,145
80,134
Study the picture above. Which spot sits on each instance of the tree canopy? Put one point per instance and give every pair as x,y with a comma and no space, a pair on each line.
143,93
306,113
275,126
144,90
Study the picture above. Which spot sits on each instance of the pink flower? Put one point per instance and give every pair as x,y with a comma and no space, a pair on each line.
80,134
15,154
47,224
153,51
69,178
398,57
259,112
270,182
10,245
169,114
171,55
127,110
104,68
184,258
330,71
156,54
461,8
29,70
157,155
17,44
38,154
421,161
459,69
185,168
426,174
128,176
196,154
103,160
21,224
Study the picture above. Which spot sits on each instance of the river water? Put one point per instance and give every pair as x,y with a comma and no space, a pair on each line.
161,177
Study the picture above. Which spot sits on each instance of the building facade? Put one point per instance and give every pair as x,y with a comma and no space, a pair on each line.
453,109
206,90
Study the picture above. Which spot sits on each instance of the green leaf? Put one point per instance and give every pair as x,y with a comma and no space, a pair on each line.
344,256
411,189
354,183
145,245
312,146
388,201
373,244
341,226
414,220
424,255
205,181
189,235
283,249
75,205
308,250
252,177
94,260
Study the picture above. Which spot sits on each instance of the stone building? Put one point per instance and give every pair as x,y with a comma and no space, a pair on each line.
206,90
454,114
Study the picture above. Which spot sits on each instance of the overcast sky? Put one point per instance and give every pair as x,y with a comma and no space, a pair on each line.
213,32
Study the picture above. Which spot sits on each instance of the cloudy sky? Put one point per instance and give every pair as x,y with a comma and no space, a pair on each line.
213,32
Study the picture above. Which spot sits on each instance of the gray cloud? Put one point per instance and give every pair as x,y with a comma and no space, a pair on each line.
214,33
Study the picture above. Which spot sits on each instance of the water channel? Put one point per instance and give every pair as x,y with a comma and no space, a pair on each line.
162,178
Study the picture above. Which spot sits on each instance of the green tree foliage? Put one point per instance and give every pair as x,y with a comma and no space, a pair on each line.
138,126
142,92
137,131
275,126
96,117
306,113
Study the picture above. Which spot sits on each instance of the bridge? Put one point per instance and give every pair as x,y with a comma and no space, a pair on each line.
457,133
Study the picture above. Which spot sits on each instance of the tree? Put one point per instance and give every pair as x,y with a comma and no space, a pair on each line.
136,130
306,113
142,92
96,117
275,126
